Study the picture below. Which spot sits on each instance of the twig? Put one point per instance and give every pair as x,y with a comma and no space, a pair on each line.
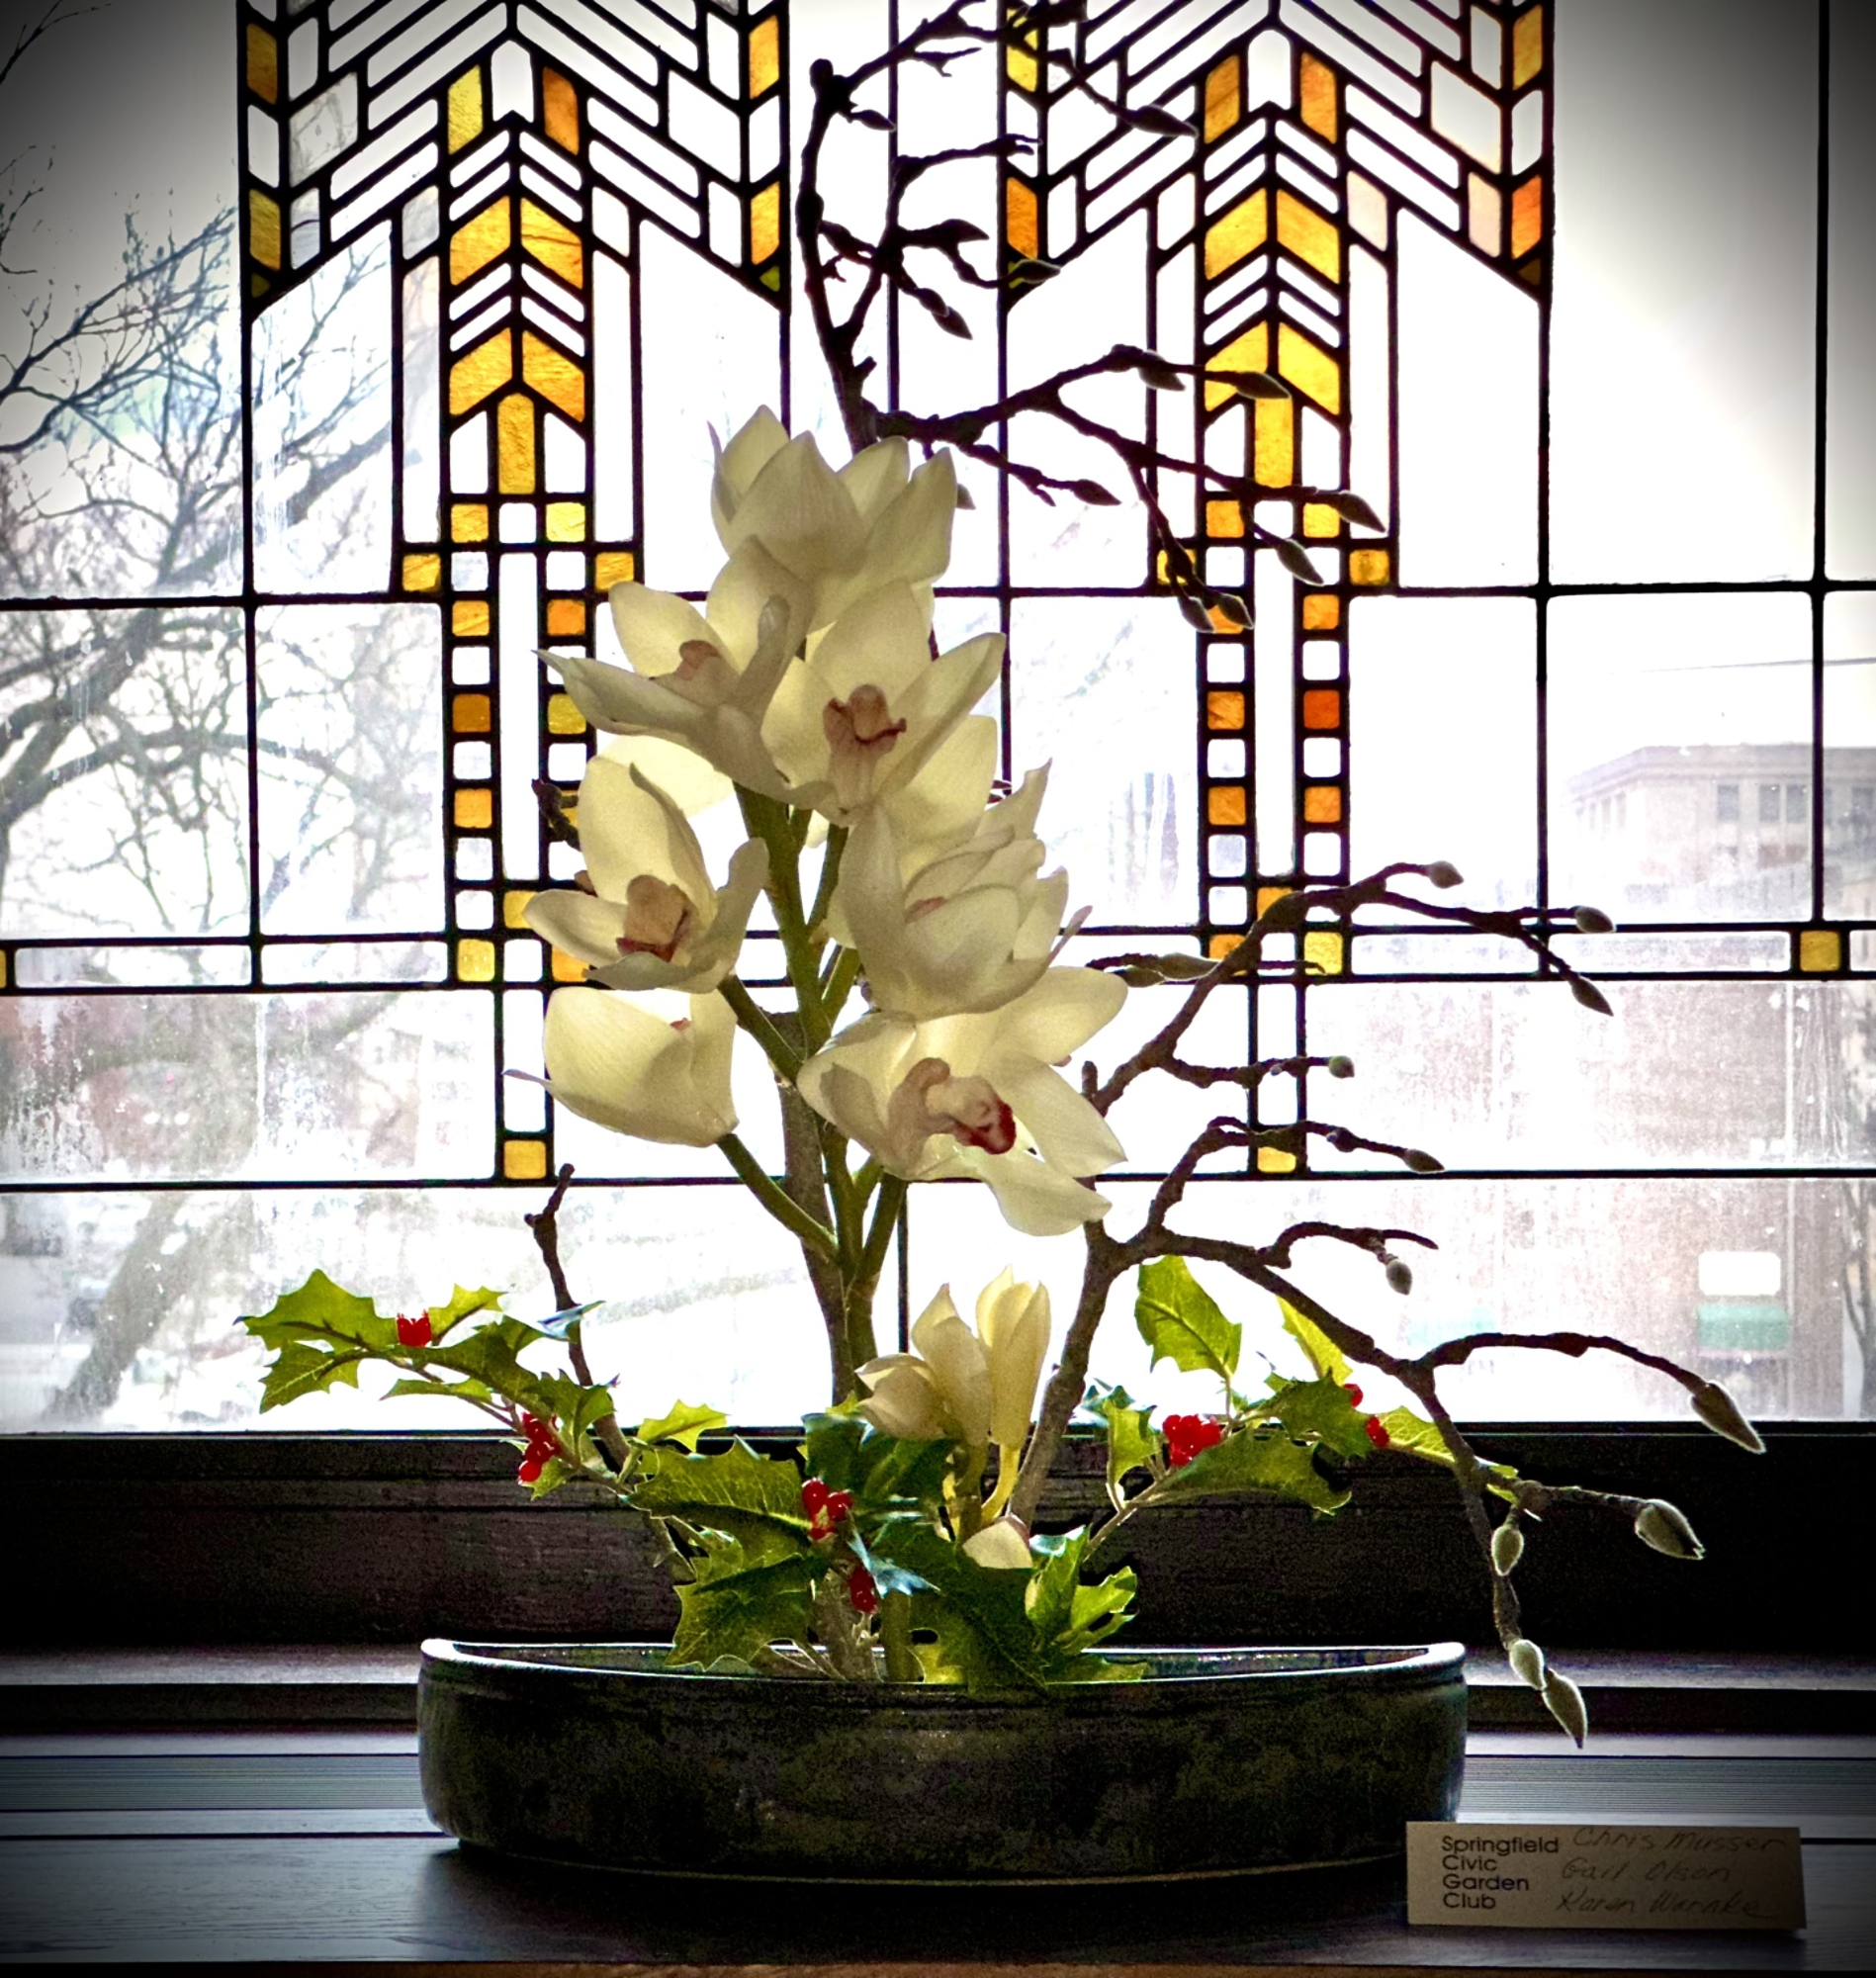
545,1224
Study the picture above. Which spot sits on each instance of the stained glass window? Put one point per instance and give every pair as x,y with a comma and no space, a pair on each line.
416,358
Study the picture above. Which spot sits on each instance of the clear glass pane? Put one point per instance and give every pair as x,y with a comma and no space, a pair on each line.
1849,754
125,782
1680,756
1850,415
1681,447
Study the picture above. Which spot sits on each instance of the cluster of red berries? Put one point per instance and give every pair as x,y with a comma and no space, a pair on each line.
414,1332
543,1446
1187,1435
825,1509
1376,1428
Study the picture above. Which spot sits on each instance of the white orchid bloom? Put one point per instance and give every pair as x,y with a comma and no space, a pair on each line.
871,707
625,1063
704,678
977,1097
951,929
1003,1545
651,920
841,534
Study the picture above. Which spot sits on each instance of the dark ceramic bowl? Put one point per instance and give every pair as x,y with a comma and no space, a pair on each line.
1220,1762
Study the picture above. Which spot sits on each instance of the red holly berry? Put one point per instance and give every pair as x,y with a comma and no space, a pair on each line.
1378,1432
862,1591
825,1509
543,1446
1187,1435
1353,1392
414,1332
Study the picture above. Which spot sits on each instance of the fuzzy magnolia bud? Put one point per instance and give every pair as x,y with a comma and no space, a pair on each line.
1341,1067
1565,1701
1721,1412
1508,1547
1442,873
1659,1524
1399,1276
1592,920
1527,1661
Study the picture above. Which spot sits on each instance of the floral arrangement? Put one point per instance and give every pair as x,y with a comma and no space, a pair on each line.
928,1018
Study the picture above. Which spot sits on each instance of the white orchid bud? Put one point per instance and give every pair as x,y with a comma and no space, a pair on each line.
1508,1547
1003,1546
1565,1701
1721,1412
1527,1661
1659,1524
1013,1322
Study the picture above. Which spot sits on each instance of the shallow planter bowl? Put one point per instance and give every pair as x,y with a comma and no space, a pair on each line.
1220,1762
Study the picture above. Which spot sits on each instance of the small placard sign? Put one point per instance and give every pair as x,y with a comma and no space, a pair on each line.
1590,1876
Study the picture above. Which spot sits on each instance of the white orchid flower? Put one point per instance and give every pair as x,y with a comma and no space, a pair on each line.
1003,1545
951,929
977,1097
651,920
871,707
630,1064
841,534
702,678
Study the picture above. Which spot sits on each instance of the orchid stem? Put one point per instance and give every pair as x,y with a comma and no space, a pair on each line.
761,1027
769,1194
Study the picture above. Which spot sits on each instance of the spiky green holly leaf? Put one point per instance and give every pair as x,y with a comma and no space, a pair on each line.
1321,1409
684,1422
755,1500
301,1368
741,1601
884,1473
1068,1617
984,1636
1177,1319
1133,1443
462,1304
1414,1435
1324,1356
322,1309
1248,1462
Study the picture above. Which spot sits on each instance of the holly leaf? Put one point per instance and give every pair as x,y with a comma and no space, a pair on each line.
324,1309
984,1636
755,1499
684,1423
883,1474
1414,1435
1321,1409
1324,1355
740,1603
1179,1322
300,1368
1067,1617
1132,1441
1248,1462
462,1304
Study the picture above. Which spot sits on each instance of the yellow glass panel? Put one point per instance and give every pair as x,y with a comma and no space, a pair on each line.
560,110
613,567
1308,236
765,222
1224,806
1249,351
1223,89
258,285
565,521
1272,1160
1820,951
555,246
1022,65
469,618
486,369
558,379
514,444
1368,566
1527,46
263,230
471,714
1224,518
1274,443
765,55
469,522
422,571
464,109
1318,97
524,1160
1236,234
474,247
563,717
1316,371
475,810
514,908
1322,804
1322,953
263,64
3,968
1224,710
1223,621
1020,225
566,618
475,961
1527,217
1268,896
1222,945
566,967
1320,611
1320,519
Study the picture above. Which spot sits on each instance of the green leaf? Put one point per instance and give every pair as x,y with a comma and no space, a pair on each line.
984,1636
884,1473
1323,1409
1069,1618
1132,1441
1414,1435
1179,1322
320,1308
685,1422
740,1603
302,1369
1324,1356
462,1304
1248,1462
755,1500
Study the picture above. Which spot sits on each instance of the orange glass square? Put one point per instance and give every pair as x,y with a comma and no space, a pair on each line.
514,908
1222,945
524,1160
469,618
1321,707
469,522
1320,612
566,967
1820,951
471,714
1224,805
1272,1160
422,571
566,618
1322,804
1224,518
475,810
1224,710
1368,566
563,717
1268,896
1320,520
612,567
